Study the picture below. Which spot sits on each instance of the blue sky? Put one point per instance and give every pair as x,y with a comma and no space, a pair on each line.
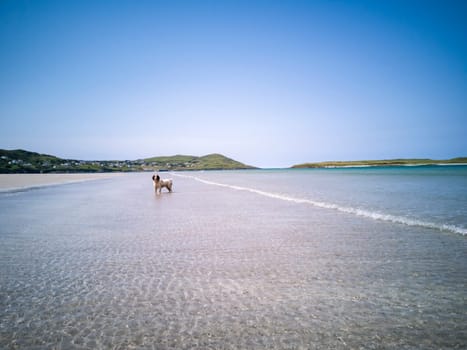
268,83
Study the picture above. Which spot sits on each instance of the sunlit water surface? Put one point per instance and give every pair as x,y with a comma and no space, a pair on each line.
237,260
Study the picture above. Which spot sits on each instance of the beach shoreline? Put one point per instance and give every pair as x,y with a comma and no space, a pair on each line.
14,182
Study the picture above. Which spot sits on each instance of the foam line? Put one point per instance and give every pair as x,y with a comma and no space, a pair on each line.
39,186
344,209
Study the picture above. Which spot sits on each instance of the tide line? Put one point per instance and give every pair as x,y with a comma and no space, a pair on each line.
349,210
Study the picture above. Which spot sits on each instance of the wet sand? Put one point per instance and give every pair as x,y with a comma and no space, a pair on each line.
111,265
24,181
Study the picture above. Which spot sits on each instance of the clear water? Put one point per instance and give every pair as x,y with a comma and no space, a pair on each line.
430,196
273,259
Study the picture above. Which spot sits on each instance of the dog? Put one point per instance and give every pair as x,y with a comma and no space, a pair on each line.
159,183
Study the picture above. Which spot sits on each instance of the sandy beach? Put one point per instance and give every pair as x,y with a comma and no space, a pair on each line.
23,181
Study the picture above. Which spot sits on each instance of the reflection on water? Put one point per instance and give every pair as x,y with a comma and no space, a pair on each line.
108,264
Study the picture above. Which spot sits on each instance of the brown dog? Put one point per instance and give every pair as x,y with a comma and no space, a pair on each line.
159,184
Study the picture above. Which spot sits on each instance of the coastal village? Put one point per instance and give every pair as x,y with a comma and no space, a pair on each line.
77,165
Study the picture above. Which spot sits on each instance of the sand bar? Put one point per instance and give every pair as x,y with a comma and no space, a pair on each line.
10,182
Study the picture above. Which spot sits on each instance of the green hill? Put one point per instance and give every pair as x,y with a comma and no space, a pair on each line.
21,161
24,161
386,162
184,162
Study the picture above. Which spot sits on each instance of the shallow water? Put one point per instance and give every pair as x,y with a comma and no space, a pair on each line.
108,264
428,196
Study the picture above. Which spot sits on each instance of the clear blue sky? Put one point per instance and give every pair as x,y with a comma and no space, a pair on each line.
269,83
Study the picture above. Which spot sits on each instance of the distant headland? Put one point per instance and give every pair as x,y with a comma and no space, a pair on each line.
21,161
386,162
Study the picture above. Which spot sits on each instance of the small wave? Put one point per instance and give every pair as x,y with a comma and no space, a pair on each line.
344,209
27,188
12,190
